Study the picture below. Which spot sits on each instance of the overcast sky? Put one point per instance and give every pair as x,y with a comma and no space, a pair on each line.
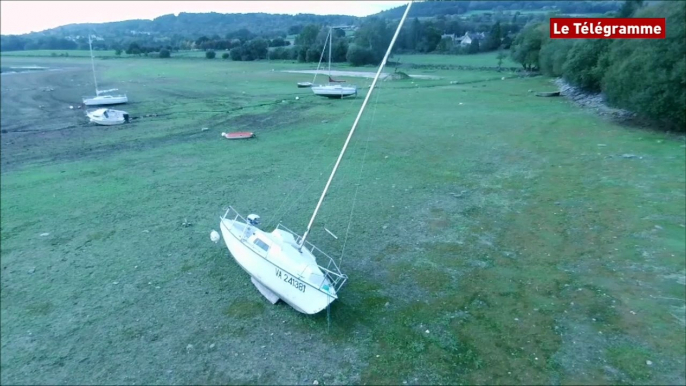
19,17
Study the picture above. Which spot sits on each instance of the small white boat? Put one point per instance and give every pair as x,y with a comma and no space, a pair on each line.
282,264
108,117
304,84
334,90
99,99
104,100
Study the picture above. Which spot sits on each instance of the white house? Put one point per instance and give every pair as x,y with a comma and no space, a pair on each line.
466,39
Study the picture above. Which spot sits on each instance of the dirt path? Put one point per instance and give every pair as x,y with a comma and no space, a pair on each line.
356,74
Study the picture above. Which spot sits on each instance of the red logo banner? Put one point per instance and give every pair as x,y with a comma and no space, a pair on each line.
607,28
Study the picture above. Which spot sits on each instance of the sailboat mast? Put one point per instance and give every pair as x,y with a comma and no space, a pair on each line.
90,45
357,119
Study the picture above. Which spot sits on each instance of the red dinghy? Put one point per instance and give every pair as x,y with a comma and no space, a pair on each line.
239,135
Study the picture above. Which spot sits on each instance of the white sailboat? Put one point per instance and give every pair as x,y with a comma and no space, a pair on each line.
333,89
100,98
282,264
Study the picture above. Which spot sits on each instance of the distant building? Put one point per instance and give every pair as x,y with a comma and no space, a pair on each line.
346,27
79,37
466,39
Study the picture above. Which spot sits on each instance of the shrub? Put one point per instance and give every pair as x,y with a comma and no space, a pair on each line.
236,53
257,48
553,56
584,67
648,76
209,54
164,53
313,53
359,56
225,55
301,53
526,47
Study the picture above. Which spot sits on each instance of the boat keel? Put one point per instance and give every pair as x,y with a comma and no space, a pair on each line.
271,296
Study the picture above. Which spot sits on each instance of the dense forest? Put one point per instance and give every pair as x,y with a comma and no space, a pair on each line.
173,31
167,30
436,8
368,43
645,76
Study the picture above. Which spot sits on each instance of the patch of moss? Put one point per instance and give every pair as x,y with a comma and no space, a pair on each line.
631,360
245,308
39,308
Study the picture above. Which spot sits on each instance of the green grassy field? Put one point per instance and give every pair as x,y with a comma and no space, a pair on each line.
488,59
496,237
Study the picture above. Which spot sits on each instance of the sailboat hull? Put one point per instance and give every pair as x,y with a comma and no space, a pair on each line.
334,91
280,279
105,100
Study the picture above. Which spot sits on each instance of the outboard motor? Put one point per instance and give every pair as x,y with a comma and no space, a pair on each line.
126,117
253,219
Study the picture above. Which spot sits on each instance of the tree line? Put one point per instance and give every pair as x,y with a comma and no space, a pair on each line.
645,76
440,7
370,41
183,30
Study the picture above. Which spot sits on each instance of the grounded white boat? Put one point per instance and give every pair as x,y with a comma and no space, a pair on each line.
332,89
108,117
282,264
103,100
279,267
99,99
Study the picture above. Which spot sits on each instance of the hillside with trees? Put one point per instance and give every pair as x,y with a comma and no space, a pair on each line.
440,7
170,30
645,76
178,31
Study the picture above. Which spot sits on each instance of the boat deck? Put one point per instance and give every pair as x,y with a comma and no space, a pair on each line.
280,248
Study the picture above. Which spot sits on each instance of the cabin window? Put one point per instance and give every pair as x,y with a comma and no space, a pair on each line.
261,244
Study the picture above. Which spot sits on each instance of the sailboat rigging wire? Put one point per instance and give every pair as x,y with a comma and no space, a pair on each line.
359,181
357,119
322,57
278,211
309,165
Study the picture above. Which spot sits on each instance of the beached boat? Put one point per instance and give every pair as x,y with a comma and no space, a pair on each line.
333,89
108,117
101,98
282,264
239,135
